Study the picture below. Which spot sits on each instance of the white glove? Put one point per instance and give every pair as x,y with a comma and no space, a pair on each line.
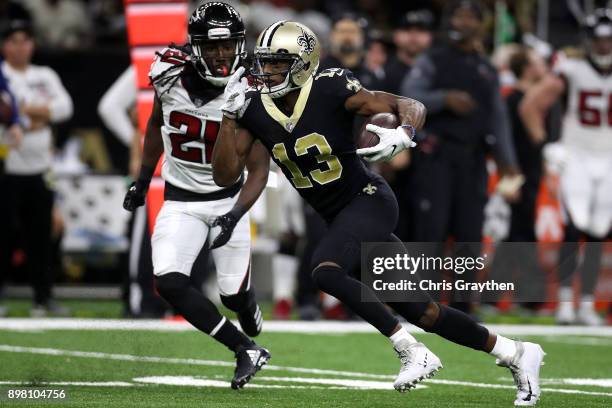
234,95
392,141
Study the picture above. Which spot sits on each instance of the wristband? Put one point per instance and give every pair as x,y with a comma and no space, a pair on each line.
412,130
238,211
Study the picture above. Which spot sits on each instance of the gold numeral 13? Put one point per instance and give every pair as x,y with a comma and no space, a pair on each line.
334,167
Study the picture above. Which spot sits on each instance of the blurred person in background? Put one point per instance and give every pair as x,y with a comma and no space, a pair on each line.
60,23
520,262
582,159
412,36
42,101
286,261
117,109
460,89
347,48
11,134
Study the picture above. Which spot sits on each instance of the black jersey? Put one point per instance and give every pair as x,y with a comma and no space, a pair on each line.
314,147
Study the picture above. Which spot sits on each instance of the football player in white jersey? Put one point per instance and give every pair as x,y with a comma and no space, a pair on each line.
189,83
582,158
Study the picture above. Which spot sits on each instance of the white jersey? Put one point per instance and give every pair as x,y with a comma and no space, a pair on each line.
189,130
36,86
587,124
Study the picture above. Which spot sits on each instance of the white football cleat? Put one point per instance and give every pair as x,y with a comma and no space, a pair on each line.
417,363
525,368
565,313
588,317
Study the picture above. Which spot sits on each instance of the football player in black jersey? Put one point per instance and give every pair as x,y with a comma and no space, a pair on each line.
304,119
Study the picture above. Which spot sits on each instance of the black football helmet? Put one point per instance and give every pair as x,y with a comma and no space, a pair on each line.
599,29
214,21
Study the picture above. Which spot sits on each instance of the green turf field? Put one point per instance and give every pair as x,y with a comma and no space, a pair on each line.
138,368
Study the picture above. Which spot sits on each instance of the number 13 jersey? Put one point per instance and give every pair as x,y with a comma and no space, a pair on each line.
314,146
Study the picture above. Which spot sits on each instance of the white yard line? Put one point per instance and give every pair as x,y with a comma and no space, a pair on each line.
319,327
76,383
168,360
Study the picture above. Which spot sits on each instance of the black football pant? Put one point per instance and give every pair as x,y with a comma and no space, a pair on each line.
367,218
27,206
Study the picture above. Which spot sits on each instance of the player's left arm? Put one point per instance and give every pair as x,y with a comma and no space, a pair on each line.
411,114
258,166
365,102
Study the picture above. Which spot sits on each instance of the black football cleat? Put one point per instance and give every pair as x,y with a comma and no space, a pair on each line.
251,320
249,361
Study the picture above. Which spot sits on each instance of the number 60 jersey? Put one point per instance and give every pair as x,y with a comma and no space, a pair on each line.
314,146
192,114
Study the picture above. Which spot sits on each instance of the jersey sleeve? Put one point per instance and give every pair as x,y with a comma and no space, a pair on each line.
339,82
563,65
168,62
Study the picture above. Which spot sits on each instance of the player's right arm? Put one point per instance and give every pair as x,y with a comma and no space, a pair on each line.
233,143
230,153
152,151
536,103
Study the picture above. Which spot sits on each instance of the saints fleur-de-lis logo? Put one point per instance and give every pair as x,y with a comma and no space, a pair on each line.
307,42
369,189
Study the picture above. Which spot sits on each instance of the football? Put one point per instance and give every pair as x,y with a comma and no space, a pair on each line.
369,139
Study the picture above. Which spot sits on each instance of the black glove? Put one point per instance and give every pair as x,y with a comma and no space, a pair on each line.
227,222
135,196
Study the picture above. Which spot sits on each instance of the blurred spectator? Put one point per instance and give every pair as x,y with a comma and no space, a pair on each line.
411,37
29,200
377,53
108,19
460,89
347,49
11,135
60,23
529,69
521,261
582,159
117,109
262,14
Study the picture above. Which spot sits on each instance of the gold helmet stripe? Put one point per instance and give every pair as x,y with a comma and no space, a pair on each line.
266,39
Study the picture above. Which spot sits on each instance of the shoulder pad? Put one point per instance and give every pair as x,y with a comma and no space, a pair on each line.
166,59
342,78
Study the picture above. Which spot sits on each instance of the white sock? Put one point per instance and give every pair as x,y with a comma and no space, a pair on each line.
284,271
401,335
587,303
329,301
566,294
504,348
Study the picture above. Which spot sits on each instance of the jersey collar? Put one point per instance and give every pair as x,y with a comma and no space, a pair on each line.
288,123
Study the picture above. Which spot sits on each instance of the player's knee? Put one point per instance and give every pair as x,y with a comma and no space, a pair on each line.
325,275
172,285
239,301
